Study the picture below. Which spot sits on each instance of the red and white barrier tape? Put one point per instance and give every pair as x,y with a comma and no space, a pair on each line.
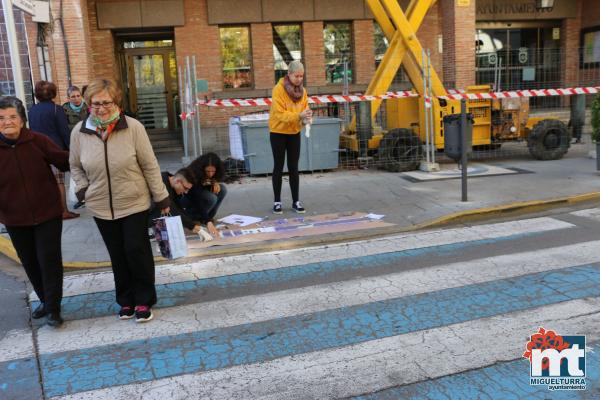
336,98
452,95
523,93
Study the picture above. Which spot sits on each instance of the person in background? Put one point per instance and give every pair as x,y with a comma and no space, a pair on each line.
178,185
116,172
30,205
48,118
75,109
289,109
202,202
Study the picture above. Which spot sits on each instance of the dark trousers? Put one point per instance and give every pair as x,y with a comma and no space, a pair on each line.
280,145
38,248
201,204
131,257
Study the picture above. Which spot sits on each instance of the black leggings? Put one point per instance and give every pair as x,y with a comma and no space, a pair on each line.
39,250
280,143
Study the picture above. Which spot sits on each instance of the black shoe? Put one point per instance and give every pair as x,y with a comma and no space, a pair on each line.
126,312
297,206
143,314
54,320
39,312
277,208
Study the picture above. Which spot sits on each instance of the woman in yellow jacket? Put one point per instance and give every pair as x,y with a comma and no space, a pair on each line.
289,109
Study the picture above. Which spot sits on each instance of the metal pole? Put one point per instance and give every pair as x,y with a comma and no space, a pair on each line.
196,107
496,76
188,89
184,127
463,147
13,46
499,74
431,123
425,112
345,92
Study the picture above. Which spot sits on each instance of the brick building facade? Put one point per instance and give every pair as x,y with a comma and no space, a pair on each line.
98,33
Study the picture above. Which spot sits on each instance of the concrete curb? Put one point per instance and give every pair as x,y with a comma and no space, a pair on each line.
477,214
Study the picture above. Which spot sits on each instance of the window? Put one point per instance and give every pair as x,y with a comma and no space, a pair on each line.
591,47
236,56
44,63
338,50
381,45
287,46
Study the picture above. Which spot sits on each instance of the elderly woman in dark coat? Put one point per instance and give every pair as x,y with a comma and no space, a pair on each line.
30,204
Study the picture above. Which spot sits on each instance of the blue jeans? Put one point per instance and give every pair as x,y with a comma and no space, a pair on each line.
201,204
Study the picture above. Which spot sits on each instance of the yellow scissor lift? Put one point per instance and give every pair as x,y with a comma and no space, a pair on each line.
495,121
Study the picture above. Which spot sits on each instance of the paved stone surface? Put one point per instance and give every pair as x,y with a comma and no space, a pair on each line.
19,374
414,314
402,202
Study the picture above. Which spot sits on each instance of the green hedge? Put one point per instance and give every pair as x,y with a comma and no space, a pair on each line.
596,118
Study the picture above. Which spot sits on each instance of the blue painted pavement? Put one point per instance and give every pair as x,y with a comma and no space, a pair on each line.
94,305
504,381
144,360
19,379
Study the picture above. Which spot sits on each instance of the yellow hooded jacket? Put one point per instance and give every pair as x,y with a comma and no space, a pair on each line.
284,116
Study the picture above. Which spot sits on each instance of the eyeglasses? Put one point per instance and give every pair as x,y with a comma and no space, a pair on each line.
105,104
11,118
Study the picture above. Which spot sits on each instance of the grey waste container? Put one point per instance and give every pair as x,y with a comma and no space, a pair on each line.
452,147
320,151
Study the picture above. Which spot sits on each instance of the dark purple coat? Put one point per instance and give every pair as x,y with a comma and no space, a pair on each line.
28,191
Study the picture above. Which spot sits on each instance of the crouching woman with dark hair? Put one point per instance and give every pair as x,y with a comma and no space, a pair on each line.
203,200
31,206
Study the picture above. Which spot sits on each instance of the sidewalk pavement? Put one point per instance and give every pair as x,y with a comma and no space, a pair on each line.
407,204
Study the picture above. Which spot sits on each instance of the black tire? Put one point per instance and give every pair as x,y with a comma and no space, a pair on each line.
549,140
400,150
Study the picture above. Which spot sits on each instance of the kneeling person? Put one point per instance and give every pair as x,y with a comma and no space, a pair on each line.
177,185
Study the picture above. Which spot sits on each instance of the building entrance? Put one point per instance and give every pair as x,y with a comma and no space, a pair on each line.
518,56
149,72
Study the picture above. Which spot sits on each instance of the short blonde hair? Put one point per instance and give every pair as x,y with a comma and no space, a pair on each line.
98,85
295,66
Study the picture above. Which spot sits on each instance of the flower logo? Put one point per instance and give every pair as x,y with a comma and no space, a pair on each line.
543,340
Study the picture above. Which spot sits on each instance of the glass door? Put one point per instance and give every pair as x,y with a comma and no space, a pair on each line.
519,58
152,87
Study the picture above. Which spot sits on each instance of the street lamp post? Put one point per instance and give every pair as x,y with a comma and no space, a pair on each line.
13,45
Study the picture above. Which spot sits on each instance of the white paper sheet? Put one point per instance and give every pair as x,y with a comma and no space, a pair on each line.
241,220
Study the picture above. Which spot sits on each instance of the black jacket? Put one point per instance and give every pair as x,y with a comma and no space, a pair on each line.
175,209
50,119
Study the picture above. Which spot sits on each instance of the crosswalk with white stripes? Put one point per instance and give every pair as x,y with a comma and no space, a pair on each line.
358,320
